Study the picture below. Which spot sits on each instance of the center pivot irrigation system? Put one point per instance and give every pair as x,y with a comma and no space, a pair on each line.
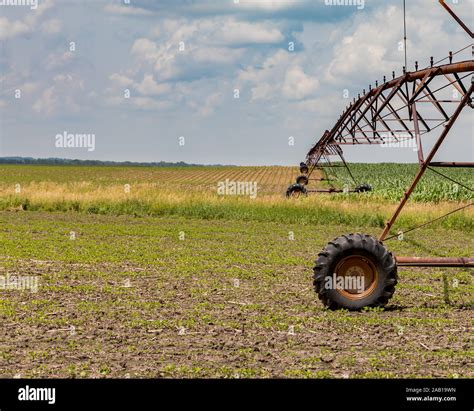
398,111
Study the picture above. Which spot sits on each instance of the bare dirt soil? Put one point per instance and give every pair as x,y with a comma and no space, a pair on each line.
172,297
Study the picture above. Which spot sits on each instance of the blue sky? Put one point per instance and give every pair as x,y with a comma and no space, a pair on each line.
181,62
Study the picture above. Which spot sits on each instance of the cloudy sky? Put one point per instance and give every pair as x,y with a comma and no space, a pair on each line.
205,81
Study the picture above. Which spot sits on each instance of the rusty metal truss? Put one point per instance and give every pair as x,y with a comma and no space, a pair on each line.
402,111
398,112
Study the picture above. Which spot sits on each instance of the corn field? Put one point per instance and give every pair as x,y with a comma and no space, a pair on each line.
389,181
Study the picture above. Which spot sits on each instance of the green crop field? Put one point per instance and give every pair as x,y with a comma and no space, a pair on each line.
390,180
147,272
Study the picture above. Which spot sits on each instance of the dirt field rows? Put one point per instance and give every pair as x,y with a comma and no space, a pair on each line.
270,180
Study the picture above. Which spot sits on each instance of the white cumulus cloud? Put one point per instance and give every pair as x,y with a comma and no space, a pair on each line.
298,84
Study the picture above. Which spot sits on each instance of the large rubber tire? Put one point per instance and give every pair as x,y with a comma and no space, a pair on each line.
304,168
302,180
366,257
296,190
363,188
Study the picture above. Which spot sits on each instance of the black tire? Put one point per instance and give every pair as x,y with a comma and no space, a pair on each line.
302,180
367,258
304,168
363,188
296,190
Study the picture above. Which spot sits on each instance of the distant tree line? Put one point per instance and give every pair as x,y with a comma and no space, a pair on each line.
71,162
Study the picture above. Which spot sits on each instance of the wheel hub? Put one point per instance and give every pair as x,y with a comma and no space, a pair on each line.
356,277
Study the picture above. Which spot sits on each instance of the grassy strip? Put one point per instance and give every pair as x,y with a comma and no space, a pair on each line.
304,211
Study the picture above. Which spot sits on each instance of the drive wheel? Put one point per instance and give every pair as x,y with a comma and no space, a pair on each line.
296,190
355,271
302,180
363,188
304,168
